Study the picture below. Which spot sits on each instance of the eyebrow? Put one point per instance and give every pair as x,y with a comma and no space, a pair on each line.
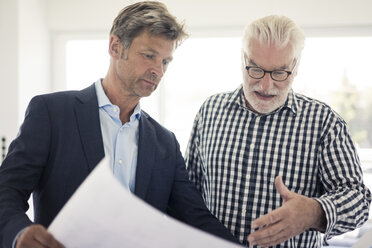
250,61
284,67
149,49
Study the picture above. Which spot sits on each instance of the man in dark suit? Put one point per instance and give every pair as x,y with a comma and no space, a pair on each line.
65,134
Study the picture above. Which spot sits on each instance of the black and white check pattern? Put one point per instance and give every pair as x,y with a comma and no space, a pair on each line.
234,155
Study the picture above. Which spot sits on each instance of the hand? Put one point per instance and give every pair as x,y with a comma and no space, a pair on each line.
297,214
36,236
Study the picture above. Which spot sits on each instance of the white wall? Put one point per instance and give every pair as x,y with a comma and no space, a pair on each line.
24,60
34,52
8,68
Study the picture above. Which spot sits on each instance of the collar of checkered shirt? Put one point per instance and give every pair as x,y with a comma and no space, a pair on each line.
237,97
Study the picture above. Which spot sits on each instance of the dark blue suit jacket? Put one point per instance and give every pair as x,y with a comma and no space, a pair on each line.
59,144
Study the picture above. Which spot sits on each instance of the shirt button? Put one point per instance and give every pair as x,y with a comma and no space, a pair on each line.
252,146
114,109
120,161
121,129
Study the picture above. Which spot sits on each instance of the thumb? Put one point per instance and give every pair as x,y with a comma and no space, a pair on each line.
282,189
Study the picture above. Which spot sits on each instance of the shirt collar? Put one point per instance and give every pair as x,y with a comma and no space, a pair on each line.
101,96
235,97
238,98
291,102
103,100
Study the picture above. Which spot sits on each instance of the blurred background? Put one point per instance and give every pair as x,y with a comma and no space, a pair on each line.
53,45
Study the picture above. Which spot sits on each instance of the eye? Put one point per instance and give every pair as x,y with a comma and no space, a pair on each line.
165,62
256,70
148,56
279,73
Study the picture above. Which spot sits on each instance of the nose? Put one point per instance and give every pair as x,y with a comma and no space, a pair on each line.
157,70
266,82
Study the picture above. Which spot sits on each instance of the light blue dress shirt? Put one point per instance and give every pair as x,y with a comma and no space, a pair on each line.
120,140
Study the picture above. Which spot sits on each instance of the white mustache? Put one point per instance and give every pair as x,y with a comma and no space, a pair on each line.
259,89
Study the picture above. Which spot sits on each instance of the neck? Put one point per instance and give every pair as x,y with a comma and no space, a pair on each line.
120,98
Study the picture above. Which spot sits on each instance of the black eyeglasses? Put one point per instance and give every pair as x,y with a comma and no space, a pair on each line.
258,73
276,75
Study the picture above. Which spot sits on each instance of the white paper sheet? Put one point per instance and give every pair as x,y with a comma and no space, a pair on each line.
365,241
102,213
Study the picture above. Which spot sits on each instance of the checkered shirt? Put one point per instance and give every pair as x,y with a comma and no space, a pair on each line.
234,155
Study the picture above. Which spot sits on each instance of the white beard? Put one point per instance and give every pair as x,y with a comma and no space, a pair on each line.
265,106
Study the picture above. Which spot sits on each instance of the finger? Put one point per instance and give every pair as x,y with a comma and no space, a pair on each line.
282,189
268,233
265,233
27,237
37,236
267,219
279,233
31,243
47,239
273,242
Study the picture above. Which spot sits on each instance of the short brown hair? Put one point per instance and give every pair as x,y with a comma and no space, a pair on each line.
151,16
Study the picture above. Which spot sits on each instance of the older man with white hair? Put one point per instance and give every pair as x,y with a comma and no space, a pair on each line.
276,167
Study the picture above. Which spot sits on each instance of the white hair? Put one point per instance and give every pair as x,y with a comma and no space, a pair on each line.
275,30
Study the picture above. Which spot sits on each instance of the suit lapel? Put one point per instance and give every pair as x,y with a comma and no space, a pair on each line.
146,156
87,116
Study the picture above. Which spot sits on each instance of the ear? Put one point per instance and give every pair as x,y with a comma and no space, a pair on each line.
115,47
297,63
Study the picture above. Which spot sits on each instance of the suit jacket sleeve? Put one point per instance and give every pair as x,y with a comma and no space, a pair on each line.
187,205
21,170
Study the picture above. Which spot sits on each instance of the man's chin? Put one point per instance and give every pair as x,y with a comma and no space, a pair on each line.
146,92
262,109
145,95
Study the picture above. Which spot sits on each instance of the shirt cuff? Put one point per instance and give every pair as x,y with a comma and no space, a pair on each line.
17,236
330,213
